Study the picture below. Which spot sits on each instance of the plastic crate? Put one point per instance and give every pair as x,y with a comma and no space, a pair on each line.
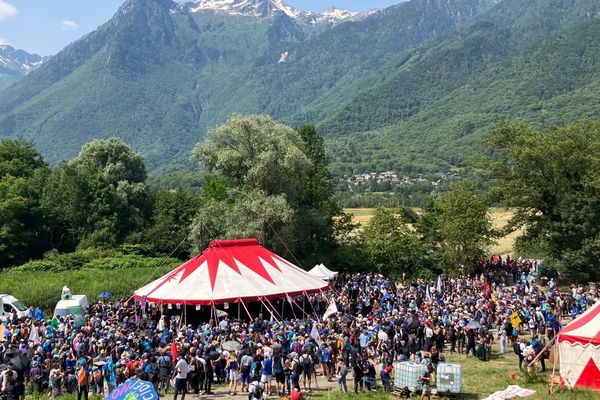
449,378
407,374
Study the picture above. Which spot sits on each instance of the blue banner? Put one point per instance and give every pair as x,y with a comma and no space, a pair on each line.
133,389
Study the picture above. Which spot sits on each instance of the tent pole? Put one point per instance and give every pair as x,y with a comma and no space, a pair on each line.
289,298
313,308
215,315
247,312
238,310
274,309
537,357
270,311
550,391
282,308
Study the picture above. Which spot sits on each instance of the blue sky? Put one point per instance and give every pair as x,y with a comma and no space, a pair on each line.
46,26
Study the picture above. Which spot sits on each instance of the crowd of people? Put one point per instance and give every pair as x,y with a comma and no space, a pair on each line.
374,323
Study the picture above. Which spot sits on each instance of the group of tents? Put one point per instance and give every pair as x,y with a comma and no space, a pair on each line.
241,271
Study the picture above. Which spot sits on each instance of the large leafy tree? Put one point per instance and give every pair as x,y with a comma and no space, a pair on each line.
552,179
277,185
23,230
172,214
391,243
461,226
98,198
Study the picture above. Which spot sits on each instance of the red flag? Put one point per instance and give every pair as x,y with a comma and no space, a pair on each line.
174,350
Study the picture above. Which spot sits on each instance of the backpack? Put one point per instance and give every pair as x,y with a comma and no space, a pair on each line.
255,369
343,370
82,377
306,364
277,367
517,348
164,362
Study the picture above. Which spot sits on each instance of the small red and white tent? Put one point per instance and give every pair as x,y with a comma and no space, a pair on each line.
231,271
579,350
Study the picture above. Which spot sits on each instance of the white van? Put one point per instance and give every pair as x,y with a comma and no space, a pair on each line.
75,304
10,307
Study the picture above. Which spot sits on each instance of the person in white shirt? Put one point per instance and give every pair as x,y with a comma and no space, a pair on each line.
180,374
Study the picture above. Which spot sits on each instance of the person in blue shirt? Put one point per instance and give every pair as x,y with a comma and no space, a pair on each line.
267,373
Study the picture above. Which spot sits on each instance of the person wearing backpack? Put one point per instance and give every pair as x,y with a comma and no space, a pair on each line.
341,370
164,371
245,364
152,372
306,362
267,373
357,368
296,371
82,383
279,373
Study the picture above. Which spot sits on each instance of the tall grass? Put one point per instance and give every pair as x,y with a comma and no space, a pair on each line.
43,288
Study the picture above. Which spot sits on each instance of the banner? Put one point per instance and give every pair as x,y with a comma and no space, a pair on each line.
314,333
332,309
133,389
515,320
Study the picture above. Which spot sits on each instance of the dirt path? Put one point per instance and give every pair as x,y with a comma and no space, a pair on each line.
222,391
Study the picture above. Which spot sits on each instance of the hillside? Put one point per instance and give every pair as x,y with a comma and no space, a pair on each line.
411,87
430,72
159,76
554,81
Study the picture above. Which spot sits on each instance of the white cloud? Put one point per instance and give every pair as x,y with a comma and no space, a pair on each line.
7,10
3,41
67,25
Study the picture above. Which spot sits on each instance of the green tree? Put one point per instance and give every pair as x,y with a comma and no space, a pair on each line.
23,229
462,223
391,243
245,213
552,180
99,198
274,174
173,212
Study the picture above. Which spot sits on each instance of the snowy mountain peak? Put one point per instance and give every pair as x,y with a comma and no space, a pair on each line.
269,8
19,61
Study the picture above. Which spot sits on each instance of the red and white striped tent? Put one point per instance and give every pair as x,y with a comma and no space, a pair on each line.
231,271
579,350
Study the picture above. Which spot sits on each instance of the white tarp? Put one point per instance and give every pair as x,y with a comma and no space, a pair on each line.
511,392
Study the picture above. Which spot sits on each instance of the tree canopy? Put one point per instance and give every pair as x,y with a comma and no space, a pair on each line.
278,187
552,179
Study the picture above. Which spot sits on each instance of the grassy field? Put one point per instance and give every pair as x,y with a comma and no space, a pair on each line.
499,216
43,288
480,379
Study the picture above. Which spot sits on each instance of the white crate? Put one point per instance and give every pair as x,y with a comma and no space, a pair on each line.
407,374
449,378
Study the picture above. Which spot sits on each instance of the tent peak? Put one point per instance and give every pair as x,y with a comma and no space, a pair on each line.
233,243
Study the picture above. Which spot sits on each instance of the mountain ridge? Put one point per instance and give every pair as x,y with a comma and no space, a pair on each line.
15,64
269,8
160,77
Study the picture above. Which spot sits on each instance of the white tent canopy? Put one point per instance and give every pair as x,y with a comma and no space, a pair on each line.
579,349
322,272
